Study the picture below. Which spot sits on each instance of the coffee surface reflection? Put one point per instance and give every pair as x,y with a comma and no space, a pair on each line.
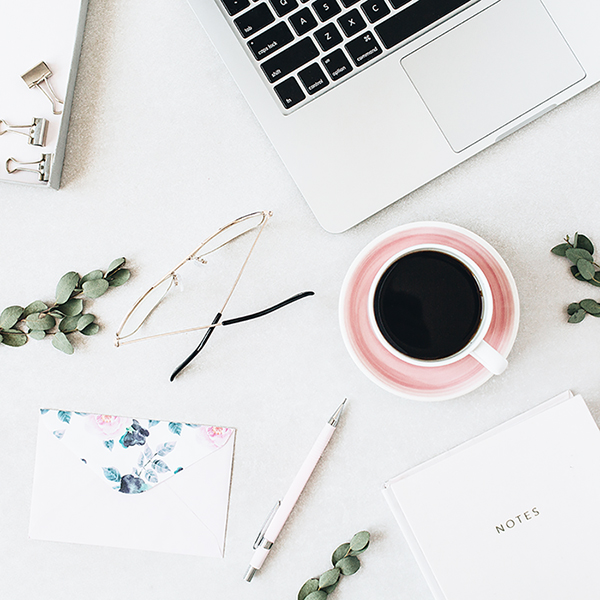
428,305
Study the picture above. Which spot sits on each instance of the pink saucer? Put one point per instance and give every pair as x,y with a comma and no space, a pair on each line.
388,370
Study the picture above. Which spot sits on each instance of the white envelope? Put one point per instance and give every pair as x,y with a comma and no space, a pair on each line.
182,508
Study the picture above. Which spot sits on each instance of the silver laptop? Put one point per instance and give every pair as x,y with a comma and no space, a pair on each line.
366,100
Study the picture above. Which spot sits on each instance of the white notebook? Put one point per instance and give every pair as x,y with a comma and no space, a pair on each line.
512,514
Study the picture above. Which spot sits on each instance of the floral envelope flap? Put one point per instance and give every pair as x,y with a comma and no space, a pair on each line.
133,455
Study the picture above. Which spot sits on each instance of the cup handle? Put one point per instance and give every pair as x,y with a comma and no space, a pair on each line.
490,358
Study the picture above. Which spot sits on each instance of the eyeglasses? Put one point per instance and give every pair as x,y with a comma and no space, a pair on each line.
249,225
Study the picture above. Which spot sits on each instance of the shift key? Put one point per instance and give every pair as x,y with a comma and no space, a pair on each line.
290,59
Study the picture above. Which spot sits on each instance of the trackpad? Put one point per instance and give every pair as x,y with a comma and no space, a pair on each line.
492,69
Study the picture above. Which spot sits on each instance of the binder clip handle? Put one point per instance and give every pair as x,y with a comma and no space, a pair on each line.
38,77
44,166
36,132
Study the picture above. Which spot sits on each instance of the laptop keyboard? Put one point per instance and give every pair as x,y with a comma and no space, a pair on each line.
303,48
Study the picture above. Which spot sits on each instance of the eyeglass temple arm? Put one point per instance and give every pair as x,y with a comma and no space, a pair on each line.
249,317
271,309
195,353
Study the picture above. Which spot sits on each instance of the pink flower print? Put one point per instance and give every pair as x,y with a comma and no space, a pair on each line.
107,426
217,436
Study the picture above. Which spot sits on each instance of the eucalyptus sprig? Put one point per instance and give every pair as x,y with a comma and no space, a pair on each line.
345,562
65,315
580,252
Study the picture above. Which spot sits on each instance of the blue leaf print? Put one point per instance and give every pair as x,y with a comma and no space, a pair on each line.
161,466
177,470
193,425
82,414
59,433
175,428
148,452
151,477
164,449
109,444
152,423
112,474
44,410
65,416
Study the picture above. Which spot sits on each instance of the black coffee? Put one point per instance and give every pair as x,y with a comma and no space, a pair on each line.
428,305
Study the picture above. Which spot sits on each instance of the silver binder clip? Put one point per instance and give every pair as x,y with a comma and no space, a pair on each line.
42,170
36,77
36,132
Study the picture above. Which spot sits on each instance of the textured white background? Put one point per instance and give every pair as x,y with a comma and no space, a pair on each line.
162,150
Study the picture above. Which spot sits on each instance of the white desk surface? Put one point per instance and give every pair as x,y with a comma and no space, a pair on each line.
162,150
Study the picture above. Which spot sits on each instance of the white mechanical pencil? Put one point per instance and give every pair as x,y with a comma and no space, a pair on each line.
276,520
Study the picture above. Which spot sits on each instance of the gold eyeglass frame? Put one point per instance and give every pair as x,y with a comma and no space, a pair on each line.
195,255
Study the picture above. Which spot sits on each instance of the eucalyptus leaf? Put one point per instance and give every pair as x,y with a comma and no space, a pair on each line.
119,277
578,316
573,308
37,306
312,585
67,284
0,338
329,578
586,268
359,541
574,254
62,343
38,334
97,274
585,243
114,265
560,249
95,288
339,553
318,595
69,324
330,588
348,565
84,320
14,339
590,306
38,321
10,316
72,307
91,329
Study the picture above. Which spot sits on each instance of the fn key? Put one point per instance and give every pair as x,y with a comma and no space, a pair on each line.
289,92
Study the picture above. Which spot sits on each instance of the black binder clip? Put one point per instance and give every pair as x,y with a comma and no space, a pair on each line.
42,170
37,77
36,132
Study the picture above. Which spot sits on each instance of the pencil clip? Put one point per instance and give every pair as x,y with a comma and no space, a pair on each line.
36,77
261,533
36,132
42,171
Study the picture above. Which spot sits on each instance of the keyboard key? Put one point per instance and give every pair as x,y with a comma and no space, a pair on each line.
375,10
326,9
303,21
349,3
363,49
337,65
254,20
283,7
313,78
233,7
413,19
270,41
352,23
328,37
398,3
289,92
290,59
